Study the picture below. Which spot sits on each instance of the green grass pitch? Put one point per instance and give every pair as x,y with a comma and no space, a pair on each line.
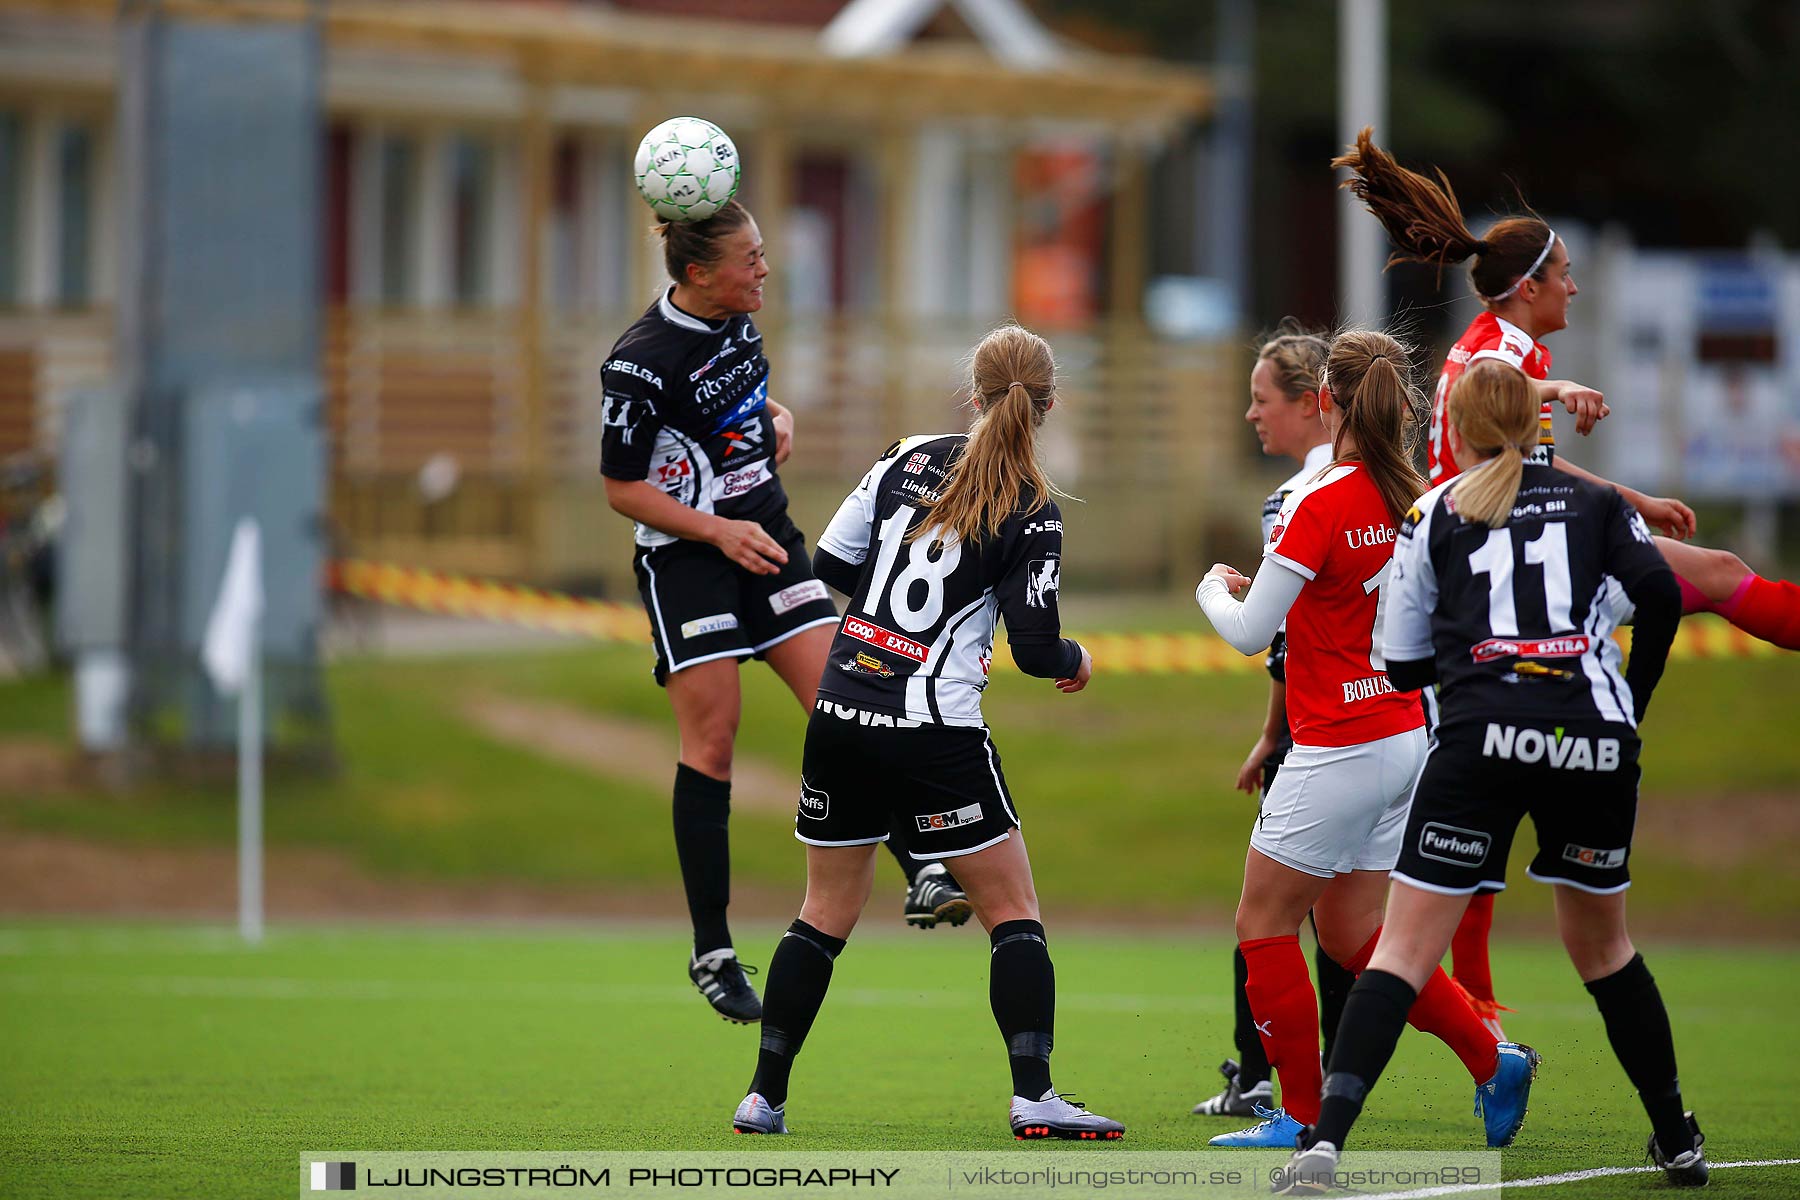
162,1060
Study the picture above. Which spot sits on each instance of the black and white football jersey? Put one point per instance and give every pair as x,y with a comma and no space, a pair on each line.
1317,459
686,408
1520,619
918,635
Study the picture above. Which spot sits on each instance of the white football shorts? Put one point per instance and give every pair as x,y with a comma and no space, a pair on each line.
1341,808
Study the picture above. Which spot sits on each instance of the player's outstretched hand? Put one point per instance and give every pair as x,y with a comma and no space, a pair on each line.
1249,776
749,545
1585,404
1667,515
1234,581
1082,674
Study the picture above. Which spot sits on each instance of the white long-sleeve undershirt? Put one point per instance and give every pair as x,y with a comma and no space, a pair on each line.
1251,625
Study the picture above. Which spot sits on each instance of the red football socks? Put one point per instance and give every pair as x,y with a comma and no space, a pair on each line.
1287,1020
1766,608
1693,600
1443,1011
1469,948
1359,962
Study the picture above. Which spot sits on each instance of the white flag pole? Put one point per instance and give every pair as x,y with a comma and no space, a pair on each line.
232,654
250,797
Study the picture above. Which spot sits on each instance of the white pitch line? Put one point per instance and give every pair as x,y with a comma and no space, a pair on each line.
1563,1177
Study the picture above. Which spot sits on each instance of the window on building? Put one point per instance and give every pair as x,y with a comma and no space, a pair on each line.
565,248
75,228
399,166
1061,235
472,220
829,230
337,215
12,191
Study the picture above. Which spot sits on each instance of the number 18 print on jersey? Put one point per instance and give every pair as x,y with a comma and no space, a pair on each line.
918,634
1336,532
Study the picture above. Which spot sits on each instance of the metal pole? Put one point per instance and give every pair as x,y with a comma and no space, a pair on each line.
1362,100
250,802
1229,172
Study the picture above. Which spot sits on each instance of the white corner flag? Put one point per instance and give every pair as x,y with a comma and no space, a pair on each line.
232,653
230,632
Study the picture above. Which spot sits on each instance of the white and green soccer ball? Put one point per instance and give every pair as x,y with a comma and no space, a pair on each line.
686,169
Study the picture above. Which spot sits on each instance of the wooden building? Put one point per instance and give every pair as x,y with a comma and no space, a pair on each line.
920,173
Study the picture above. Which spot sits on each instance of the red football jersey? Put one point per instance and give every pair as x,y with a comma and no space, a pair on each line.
1337,533
1487,337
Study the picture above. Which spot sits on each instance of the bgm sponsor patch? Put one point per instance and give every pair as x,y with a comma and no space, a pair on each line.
813,802
1587,856
789,598
937,822
1453,844
1042,582
717,623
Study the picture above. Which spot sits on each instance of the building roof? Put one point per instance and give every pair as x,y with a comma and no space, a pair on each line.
872,71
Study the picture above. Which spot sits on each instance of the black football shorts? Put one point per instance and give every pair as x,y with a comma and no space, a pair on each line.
703,606
863,773
1577,783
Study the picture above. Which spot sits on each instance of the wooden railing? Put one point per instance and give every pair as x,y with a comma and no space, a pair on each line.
1147,432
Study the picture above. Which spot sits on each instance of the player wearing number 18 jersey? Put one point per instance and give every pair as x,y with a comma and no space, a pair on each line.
1330,828
943,536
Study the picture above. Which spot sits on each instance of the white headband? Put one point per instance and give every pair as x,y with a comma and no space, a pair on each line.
1529,271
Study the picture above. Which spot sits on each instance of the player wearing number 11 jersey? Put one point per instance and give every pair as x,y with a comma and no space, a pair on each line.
943,536
1502,589
1330,827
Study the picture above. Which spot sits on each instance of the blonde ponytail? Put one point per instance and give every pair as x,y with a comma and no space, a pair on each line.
1012,383
1495,410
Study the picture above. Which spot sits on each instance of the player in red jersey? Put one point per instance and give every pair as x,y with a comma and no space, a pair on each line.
1330,828
1521,274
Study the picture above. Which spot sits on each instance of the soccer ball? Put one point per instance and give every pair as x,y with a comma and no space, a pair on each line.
686,169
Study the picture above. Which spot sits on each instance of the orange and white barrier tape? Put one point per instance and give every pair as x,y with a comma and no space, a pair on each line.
1699,637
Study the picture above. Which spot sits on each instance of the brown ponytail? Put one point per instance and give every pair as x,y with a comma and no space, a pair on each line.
1495,408
1369,377
1426,225
1012,380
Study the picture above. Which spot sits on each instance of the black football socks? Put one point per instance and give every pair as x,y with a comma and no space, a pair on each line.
1022,992
1335,981
703,847
1374,1016
799,974
1253,1062
1637,1025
